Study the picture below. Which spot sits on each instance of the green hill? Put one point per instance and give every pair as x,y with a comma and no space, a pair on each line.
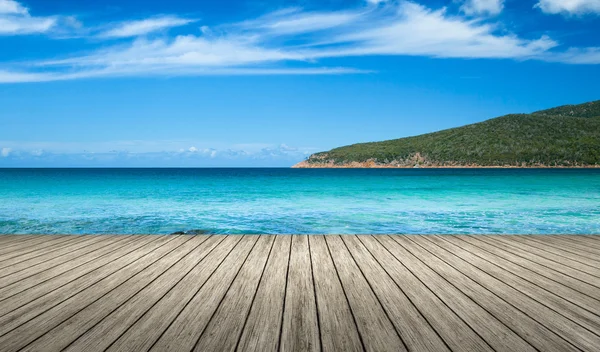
563,136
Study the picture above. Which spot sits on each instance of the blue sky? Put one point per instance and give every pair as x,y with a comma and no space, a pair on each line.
266,83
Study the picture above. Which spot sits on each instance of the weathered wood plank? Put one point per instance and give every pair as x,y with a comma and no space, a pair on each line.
26,244
225,327
62,335
14,264
300,330
563,291
297,293
509,246
569,330
180,336
376,329
559,256
36,275
10,241
261,333
30,330
530,330
495,333
528,264
546,297
144,333
336,323
35,246
414,329
65,283
60,263
103,334
453,330
586,249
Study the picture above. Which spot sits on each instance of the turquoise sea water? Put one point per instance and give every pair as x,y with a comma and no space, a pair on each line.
427,201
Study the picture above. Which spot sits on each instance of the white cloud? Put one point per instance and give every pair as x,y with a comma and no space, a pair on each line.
12,7
292,41
482,7
16,20
5,152
294,21
153,154
417,30
581,56
569,7
143,27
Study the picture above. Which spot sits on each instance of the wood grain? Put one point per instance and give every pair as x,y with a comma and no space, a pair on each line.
299,293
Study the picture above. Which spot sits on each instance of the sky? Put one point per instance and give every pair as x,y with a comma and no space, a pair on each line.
181,83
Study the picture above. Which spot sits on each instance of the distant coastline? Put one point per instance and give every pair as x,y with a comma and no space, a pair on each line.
373,165
562,137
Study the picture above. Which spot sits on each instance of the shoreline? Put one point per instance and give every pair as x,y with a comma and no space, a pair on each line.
373,165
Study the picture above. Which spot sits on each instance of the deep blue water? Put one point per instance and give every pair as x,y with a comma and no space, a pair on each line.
426,201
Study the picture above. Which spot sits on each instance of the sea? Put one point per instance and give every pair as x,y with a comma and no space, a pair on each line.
299,201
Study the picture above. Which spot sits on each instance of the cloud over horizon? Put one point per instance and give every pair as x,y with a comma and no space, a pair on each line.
293,41
146,153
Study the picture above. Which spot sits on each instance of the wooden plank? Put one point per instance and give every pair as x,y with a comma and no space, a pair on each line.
64,255
105,332
35,275
6,240
569,330
25,244
48,293
528,264
578,241
261,333
14,264
414,329
453,330
62,335
33,247
559,256
375,327
555,286
530,330
539,291
515,248
492,330
585,250
225,327
31,330
337,327
300,330
179,336
141,335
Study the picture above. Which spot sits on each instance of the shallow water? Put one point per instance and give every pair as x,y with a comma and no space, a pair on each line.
425,201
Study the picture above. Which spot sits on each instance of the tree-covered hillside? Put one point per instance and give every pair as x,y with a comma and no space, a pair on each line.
562,136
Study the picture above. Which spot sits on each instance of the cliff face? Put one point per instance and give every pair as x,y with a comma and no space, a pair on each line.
566,136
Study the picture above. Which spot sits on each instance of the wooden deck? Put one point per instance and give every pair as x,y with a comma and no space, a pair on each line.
300,293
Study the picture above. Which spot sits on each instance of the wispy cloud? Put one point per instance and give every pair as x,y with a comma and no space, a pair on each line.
292,41
416,30
16,20
143,27
141,153
569,7
5,152
482,7
12,7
